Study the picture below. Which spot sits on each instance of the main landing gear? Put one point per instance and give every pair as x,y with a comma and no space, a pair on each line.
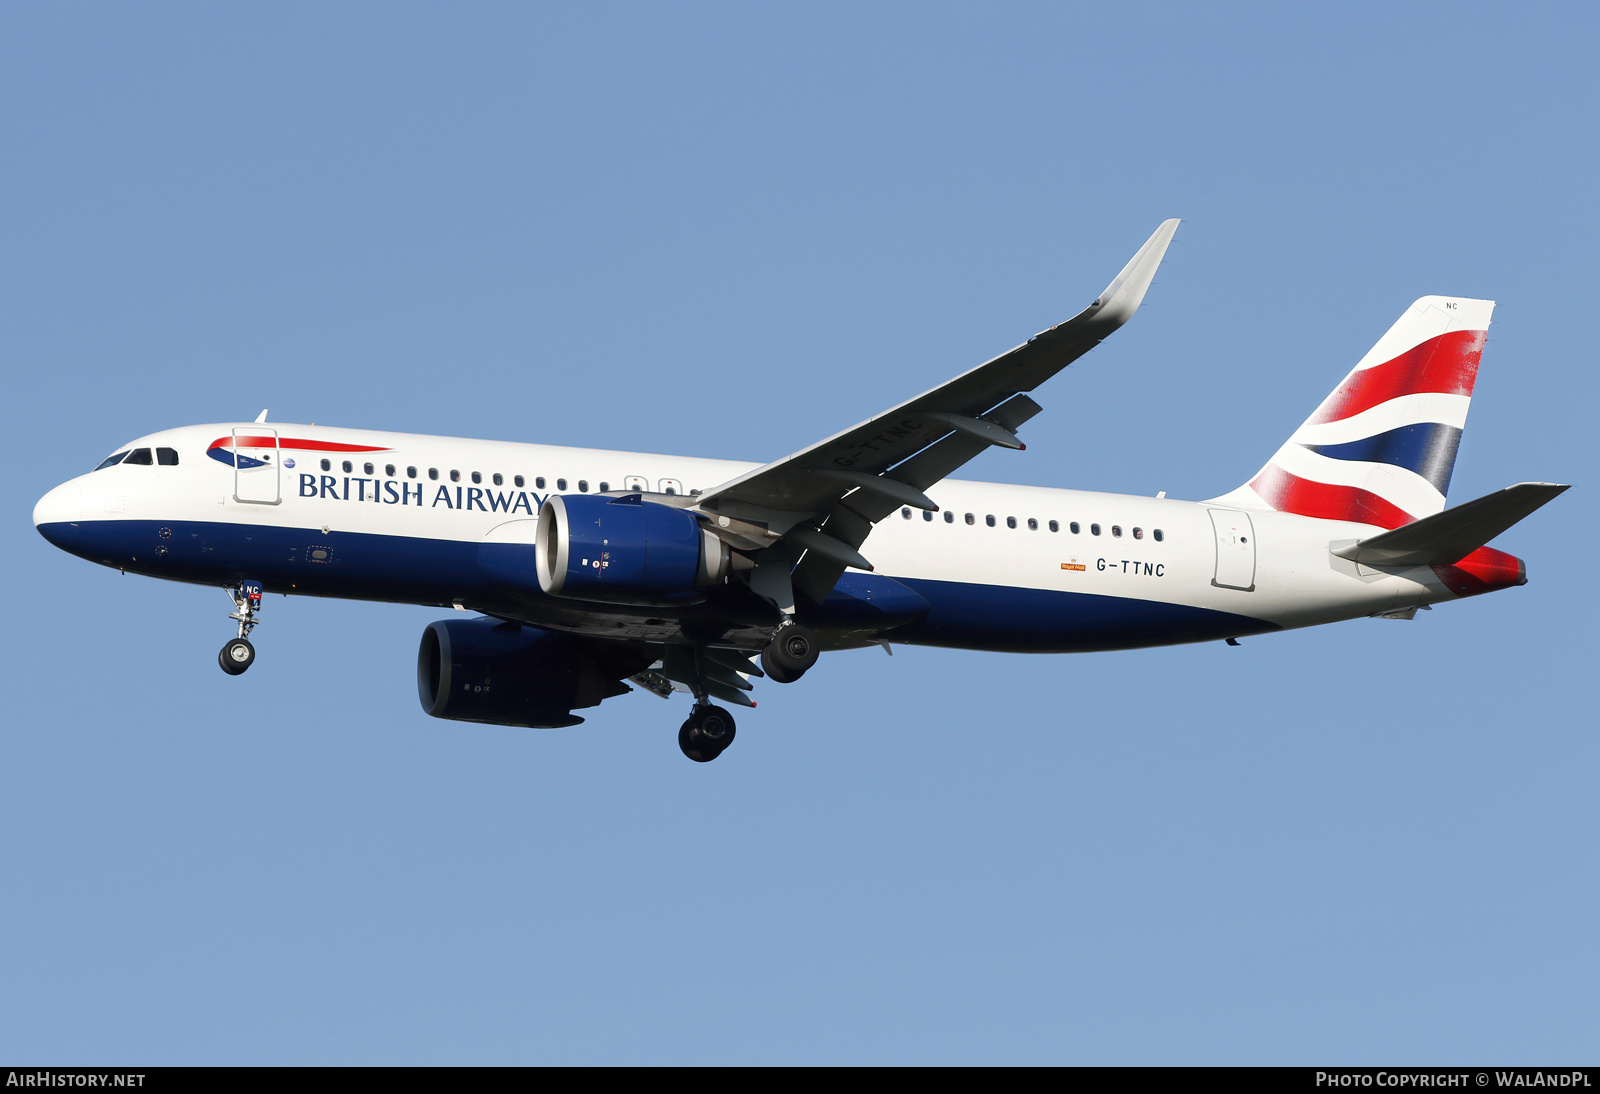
792,651
238,654
708,731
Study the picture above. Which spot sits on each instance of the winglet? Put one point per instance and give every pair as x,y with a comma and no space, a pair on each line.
1126,291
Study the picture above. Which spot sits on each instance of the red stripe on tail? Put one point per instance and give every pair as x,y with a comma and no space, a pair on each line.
1291,494
1483,571
1445,365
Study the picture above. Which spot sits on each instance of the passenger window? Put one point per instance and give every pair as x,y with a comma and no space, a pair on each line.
388,469
498,480
989,520
347,467
561,484
605,486
1157,534
1011,522
1055,526
1033,524
433,473
906,512
1074,527
140,456
167,457
366,469
694,493
927,514
476,478
455,476
671,486
971,519
327,465
538,483
583,486
1138,533
1116,531
411,472
111,460
517,480
949,517
1094,529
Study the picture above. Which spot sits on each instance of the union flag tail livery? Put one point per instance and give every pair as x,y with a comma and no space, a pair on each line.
593,572
1381,447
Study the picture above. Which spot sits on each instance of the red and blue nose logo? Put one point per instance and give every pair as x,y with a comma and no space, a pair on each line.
222,450
247,452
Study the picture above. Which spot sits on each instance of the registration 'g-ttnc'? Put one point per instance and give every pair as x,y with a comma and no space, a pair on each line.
584,571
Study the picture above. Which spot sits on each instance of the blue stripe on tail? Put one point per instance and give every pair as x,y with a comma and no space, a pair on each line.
1428,448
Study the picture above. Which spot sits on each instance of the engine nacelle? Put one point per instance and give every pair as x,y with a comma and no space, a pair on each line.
507,674
625,550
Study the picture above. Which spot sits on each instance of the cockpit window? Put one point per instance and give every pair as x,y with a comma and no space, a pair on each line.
167,457
140,456
110,460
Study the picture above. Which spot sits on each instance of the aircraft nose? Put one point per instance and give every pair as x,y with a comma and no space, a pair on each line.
57,510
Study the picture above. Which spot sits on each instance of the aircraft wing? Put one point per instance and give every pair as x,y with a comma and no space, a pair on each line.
824,499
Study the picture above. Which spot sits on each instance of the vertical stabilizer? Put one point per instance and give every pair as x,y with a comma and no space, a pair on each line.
1381,448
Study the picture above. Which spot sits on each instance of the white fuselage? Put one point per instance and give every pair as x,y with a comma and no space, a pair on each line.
1267,566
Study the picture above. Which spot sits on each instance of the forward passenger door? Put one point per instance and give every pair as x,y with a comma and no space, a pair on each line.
255,466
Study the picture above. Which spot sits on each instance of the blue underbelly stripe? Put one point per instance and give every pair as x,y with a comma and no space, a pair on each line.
1003,618
409,570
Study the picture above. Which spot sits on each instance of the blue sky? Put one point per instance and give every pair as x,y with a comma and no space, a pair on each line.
727,230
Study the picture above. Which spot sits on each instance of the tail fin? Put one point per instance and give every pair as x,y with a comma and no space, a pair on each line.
1381,447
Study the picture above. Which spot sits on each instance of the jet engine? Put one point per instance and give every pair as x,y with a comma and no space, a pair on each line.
508,674
625,550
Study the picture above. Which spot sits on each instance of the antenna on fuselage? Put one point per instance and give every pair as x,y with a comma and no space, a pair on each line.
261,417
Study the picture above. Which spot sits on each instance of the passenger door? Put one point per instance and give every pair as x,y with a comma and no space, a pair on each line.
255,466
1236,550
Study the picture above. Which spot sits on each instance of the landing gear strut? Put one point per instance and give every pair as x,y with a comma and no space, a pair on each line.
708,731
238,654
792,651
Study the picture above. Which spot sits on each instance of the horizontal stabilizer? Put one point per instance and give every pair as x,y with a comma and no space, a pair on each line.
1453,534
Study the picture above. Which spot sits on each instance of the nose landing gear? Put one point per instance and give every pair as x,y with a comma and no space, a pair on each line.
238,654
706,734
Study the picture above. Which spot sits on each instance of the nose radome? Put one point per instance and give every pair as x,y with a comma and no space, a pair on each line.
59,506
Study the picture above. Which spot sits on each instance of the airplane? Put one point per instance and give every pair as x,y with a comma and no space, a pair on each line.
585,571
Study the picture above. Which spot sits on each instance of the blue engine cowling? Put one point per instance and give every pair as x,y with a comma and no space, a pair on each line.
625,550
507,674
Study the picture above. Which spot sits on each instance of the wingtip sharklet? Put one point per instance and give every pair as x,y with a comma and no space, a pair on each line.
1126,292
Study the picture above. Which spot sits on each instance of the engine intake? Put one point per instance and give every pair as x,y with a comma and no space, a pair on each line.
625,550
507,674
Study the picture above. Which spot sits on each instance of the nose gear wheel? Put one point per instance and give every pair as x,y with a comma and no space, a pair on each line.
238,654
